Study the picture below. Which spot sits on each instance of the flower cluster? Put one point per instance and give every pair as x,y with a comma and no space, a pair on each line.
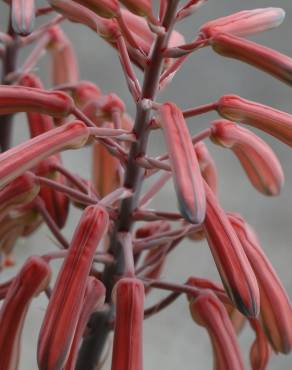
87,301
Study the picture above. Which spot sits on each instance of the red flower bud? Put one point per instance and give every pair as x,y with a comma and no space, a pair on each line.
208,311
256,157
17,160
184,164
128,296
66,301
268,60
93,299
275,308
29,282
233,266
244,23
15,99
22,16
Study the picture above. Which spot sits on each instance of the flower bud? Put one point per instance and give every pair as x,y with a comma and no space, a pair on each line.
128,296
75,12
244,23
63,58
263,117
275,308
260,351
19,159
22,16
233,266
29,282
256,157
14,99
268,60
93,299
104,162
209,312
207,165
66,301
184,164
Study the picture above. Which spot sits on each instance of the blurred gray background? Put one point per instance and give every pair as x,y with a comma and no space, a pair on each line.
172,340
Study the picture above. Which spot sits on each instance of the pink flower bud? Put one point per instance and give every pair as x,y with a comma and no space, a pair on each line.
207,165
29,282
263,117
256,157
260,351
22,16
103,161
93,299
64,61
237,318
128,296
66,301
246,22
209,312
233,266
15,99
84,91
75,12
19,159
184,164
268,60
275,308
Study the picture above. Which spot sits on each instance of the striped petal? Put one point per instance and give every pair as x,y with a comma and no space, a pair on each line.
66,301
29,282
263,117
256,157
275,308
233,266
184,164
128,296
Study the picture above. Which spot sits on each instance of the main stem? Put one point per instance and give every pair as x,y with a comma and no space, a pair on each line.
93,345
9,65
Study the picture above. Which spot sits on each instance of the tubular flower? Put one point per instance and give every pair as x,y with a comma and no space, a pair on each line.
184,164
263,117
268,60
103,161
260,351
14,99
244,23
207,165
63,58
93,299
275,309
29,282
22,16
56,203
209,312
19,192
256,157
67,297
237,318
128,296
17,160
233,266
84,92
75,12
